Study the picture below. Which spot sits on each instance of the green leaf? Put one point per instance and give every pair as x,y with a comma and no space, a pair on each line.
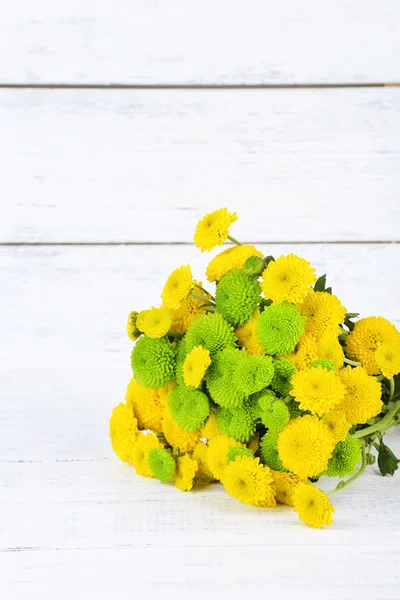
352,315
329,290
320,284
267,260
387,461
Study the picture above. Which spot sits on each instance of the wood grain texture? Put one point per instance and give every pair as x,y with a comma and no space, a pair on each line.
67,307
181,41
101,166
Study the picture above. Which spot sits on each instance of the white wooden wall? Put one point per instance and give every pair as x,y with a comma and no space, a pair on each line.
121,123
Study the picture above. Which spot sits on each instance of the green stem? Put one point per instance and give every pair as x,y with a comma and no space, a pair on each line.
342,484
352,362
382,425
391,388
232,239
205,291
204,301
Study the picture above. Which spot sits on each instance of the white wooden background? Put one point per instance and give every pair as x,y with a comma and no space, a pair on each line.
121,123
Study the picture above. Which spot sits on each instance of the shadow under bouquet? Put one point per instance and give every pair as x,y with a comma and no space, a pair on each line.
264,385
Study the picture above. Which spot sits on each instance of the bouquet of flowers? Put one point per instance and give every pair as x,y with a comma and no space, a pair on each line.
264,385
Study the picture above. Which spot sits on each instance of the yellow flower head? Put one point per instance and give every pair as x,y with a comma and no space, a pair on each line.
365,339
305,352
329,348
388,360
287,278
123,430
176,436
363,395
305,445
284,486
247,337
186,469
200,455
140,452
177,287
213,229
248,481
337,423
218,448
195,366
312,505
188,310
317,390
131,329
210,429
231,258
155,322
147,406
324,313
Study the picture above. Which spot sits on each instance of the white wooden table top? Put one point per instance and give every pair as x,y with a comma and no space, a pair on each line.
100,189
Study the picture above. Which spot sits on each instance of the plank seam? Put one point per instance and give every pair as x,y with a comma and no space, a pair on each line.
130,243
194,86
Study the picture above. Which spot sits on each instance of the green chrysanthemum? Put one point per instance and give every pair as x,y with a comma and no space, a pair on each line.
256,401
345,457
189,408
274,414
235,451
283,372
269,451
237,297
210,331
295,410
237,422
153,362
254,373
162,464
279,328
321,362
254,266
219,378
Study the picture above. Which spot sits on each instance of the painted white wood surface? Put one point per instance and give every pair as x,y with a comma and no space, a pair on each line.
192,41
78,165
67,307
77,522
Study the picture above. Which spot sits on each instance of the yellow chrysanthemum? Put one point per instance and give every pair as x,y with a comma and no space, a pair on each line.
254,443
324,313
232,258
176,436
210,429
188,310
329,348
147,406
131,328
336,422
305,352
200,455
247,337
388,360
177,287
284,485
164,393
312,505
186,469
213,229
317,390
123,430
140,452
218,448
365,339
287,278
195,366
305,445
363,395
249,481
155,322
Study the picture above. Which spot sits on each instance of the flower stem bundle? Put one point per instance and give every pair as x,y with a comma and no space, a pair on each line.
265,385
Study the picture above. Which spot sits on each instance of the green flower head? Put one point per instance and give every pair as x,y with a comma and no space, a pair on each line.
153,362
253,373
235,451
162,464
269,451
274,414
280,327
189,408
321,362
236,422
237,297
345,457
210,331
295,410
254,266
220,375
283,372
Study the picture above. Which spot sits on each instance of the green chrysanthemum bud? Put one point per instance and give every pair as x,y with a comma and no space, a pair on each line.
321,362
274,414
235,451
254,266
162,464
254,373
295,410
254,404
280,327
210,331
283,372
131,328
237,297
219,378
237,422
345,457
269,451
189,408
153,362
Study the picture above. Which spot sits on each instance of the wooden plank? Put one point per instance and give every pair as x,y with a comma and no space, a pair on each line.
67,307
143,166
136,41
